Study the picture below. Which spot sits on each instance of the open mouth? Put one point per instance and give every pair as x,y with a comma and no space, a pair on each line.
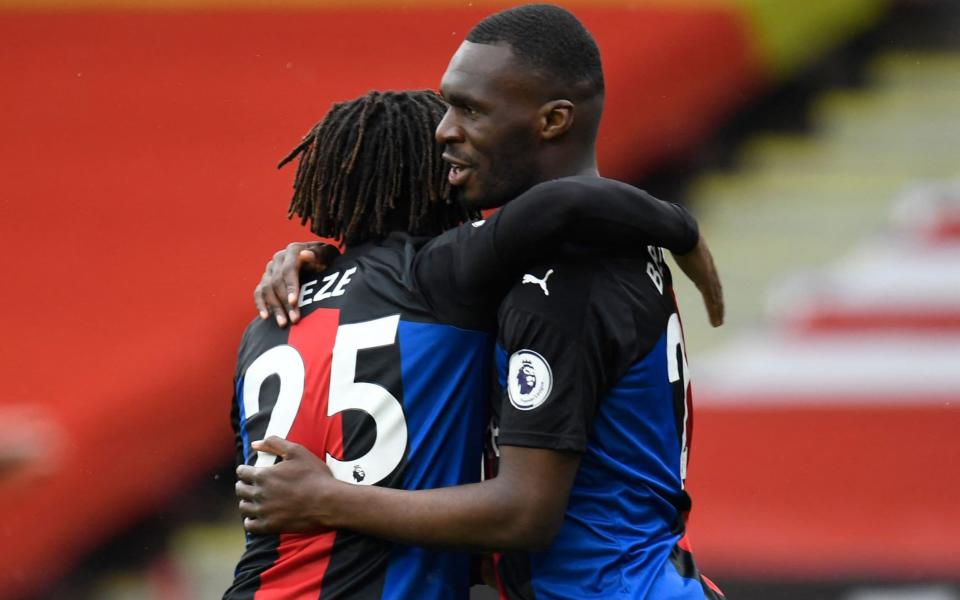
458,175
459,171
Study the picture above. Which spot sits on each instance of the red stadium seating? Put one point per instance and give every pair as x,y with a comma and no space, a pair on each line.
140,201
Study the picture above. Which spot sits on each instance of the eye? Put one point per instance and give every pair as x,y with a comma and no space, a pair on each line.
471,111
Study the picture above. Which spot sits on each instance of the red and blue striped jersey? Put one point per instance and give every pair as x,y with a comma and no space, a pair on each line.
374,382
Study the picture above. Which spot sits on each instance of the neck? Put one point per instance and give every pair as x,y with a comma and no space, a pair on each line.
556,166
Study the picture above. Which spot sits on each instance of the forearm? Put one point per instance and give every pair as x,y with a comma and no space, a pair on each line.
481,261
479,516
607,215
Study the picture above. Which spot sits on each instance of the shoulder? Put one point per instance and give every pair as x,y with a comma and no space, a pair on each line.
451,237
366,282
444,250
579,185
554,285
586,298
558,293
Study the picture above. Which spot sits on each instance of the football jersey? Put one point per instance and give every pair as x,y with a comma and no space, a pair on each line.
372,380
590,359
386,377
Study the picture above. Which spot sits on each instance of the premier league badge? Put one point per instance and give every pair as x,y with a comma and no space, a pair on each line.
529,380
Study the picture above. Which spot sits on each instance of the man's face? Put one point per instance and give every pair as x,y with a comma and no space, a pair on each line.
490,131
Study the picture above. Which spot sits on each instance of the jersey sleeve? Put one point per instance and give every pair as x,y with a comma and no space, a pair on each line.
550,385
472,265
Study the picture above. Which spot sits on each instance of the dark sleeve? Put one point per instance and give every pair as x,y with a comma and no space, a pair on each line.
561,346
593,211
551,385
471,265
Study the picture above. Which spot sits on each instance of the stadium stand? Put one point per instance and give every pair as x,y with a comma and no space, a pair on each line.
140,136
825,414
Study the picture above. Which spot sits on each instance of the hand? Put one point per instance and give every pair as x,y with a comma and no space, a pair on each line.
698,266
280,285
288,497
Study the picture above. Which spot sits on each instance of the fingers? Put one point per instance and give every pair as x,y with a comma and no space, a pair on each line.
260,293
326,254
698,265
259,301
710,287
265,296
256,526
317,257
250,507
307,259
271,296
715,306
249,503
713,301
246,491
276,445
285,277
277,294
247,474
250,495
284,283
314,257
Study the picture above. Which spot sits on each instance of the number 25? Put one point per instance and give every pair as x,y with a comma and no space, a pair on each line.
345,394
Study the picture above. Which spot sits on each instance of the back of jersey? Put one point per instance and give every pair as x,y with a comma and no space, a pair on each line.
371,381
591,359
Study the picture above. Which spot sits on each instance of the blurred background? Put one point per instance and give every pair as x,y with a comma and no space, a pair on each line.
816,141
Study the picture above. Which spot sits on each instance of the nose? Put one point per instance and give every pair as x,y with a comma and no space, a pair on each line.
448,130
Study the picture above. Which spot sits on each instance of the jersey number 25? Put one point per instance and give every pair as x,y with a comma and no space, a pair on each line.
286,362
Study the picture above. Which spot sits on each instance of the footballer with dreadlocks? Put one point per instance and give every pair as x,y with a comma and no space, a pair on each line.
384,380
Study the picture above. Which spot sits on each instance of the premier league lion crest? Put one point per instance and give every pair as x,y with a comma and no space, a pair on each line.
529,380
527,377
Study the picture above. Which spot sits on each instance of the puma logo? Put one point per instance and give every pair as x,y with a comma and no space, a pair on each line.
528,278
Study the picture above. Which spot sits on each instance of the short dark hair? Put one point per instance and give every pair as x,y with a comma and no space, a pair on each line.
548,38
371,166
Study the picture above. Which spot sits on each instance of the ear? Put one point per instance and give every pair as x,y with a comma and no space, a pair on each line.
556,118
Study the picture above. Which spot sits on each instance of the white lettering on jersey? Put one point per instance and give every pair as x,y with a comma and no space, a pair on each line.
655,268
325,292
305,291
528,278
348,394
285,362
338,291
677,366
345,393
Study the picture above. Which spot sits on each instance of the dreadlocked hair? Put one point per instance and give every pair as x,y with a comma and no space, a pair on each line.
372,166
